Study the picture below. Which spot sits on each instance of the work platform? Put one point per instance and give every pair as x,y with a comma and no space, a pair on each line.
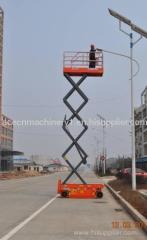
78,64
83,65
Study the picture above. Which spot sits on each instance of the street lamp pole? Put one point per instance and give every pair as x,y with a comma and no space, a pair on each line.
142,34
132,117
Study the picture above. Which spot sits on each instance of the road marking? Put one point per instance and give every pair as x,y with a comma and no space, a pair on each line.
26,221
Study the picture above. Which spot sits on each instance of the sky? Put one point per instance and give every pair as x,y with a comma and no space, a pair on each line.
36,33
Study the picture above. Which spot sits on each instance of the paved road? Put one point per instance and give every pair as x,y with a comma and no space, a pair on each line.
68,219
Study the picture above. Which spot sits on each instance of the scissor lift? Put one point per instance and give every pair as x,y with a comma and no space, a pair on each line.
76,64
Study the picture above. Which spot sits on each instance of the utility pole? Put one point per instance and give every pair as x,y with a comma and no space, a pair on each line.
104,143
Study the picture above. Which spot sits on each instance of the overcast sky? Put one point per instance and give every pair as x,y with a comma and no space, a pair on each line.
36,33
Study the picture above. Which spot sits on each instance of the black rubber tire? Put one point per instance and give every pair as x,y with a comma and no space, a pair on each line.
65,194
99,194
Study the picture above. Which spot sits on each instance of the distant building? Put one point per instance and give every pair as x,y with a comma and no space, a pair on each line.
40,159
21,163
141,131
55,167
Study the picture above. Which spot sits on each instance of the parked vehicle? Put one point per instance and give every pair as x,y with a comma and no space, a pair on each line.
141,175
123,173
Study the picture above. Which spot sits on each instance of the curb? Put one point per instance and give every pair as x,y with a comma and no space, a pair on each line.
131,210
143,194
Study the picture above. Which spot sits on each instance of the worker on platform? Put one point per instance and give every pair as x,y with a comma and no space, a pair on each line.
92,57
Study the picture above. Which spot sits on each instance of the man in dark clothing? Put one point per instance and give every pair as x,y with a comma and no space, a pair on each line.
92,58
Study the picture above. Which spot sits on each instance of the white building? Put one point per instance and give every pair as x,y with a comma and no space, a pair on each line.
55,167
141,131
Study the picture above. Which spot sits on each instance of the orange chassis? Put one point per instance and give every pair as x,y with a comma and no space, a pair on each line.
74,190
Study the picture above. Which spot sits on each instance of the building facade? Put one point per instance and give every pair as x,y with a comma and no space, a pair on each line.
1,58
141,131
6,130
6,144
